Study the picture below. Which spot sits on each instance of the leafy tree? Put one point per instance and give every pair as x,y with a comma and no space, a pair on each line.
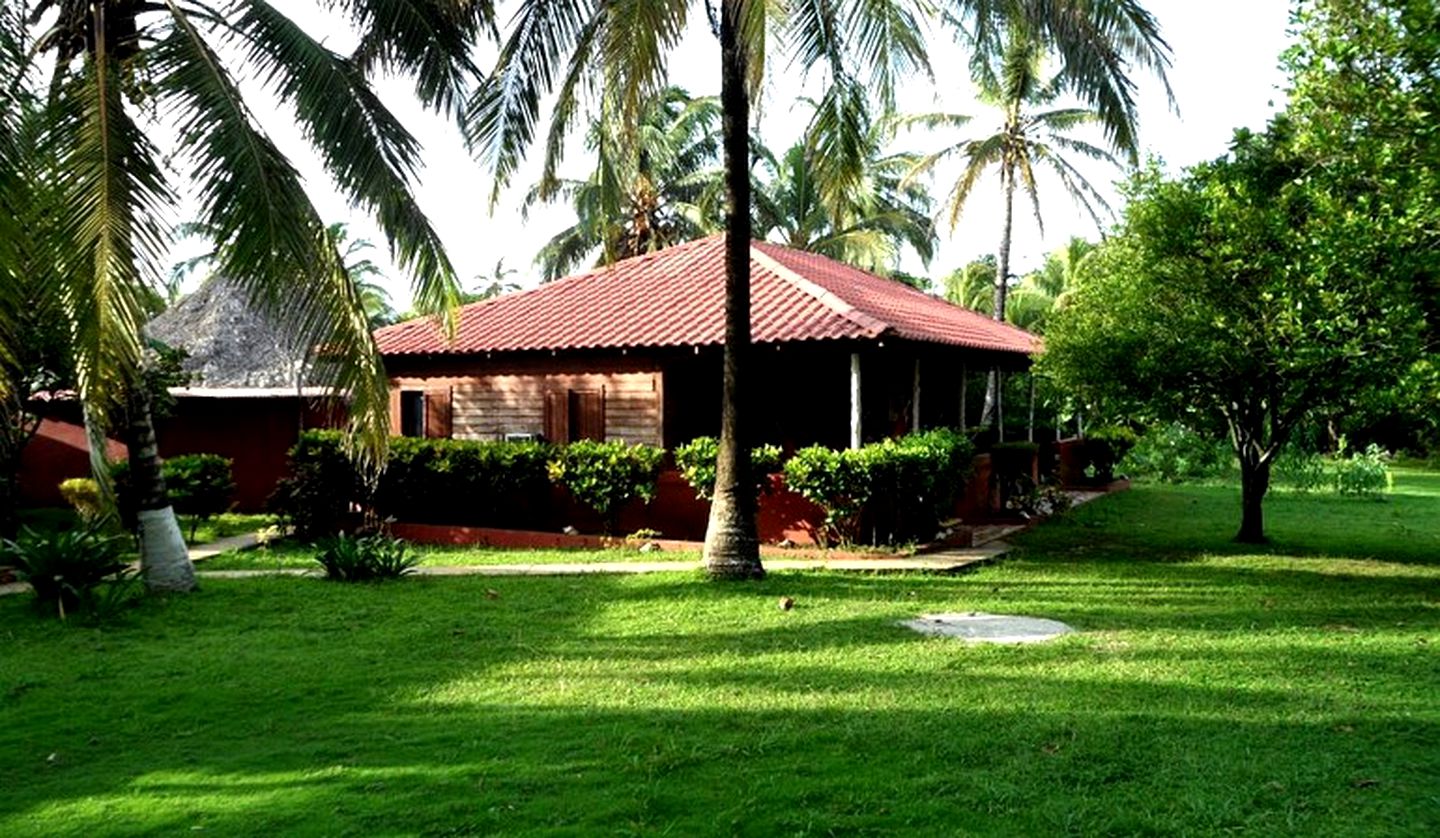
1240,298
865,222
657,187
615,56
121,65
1366,82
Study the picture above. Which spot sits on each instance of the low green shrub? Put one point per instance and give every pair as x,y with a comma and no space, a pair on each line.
80,571
1105,447
696,462
1364,473
1302,471
896,490
1175,453
837,482
604,475
426,481
365,558
319,497
455,481
200,486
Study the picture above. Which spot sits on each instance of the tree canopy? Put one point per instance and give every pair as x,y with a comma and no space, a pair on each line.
1241,297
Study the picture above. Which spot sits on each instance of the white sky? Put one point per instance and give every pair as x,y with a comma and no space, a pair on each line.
1225,75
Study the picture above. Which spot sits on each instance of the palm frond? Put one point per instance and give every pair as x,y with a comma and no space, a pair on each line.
427,40
504,109
269,236
368,153
107,226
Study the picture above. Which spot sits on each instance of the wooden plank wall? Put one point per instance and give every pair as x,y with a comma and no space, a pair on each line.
488,407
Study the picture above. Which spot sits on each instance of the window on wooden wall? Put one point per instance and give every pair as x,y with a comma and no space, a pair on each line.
572,415
412,413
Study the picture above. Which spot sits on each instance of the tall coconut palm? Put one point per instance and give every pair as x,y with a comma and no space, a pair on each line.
1034,135
617,53
122,64
867,224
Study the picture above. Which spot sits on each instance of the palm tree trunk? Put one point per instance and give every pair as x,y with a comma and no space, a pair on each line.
732,546
1002,277
164,559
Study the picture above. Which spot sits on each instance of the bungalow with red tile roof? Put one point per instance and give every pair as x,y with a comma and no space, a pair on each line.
632,351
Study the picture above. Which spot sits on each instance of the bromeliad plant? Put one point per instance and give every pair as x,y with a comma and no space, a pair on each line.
80,571
365,558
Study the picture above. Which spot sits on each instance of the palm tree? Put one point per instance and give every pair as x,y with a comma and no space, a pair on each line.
356,262
660,187
972,286
866,224
617,53
121,64
493,284
1033,135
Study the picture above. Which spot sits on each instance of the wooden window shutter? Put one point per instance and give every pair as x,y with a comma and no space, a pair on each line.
589,410
395,418
437,412
557,416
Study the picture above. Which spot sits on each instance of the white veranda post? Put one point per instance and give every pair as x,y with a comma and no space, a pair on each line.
854,399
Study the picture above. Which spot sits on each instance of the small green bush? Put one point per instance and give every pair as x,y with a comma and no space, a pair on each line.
896,490
1303,471
453,481
604,475
1363,474
83,493
349,558
317,499
1175,453
427,481
696,461
78,571
837,482
200,486
1105,447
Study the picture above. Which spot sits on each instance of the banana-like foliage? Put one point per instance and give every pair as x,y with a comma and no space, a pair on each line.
122,66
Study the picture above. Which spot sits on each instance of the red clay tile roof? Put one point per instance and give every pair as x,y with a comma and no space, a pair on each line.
675,297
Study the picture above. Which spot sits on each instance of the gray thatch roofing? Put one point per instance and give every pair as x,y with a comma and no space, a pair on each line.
230,343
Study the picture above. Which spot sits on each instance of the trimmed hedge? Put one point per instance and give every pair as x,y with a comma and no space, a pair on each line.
896,491
696,461
426,481
604,475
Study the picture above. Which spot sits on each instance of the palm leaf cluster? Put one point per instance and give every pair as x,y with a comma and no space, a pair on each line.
658,187
123,67
866,224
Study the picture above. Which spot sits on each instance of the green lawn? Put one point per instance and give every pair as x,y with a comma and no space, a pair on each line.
288,554
1211,690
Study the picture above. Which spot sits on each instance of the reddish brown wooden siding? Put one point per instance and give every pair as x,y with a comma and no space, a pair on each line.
616,404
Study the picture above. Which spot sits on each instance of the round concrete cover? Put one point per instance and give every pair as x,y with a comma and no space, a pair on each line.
989,628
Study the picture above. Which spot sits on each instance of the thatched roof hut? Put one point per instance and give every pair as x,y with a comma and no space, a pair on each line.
231,344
